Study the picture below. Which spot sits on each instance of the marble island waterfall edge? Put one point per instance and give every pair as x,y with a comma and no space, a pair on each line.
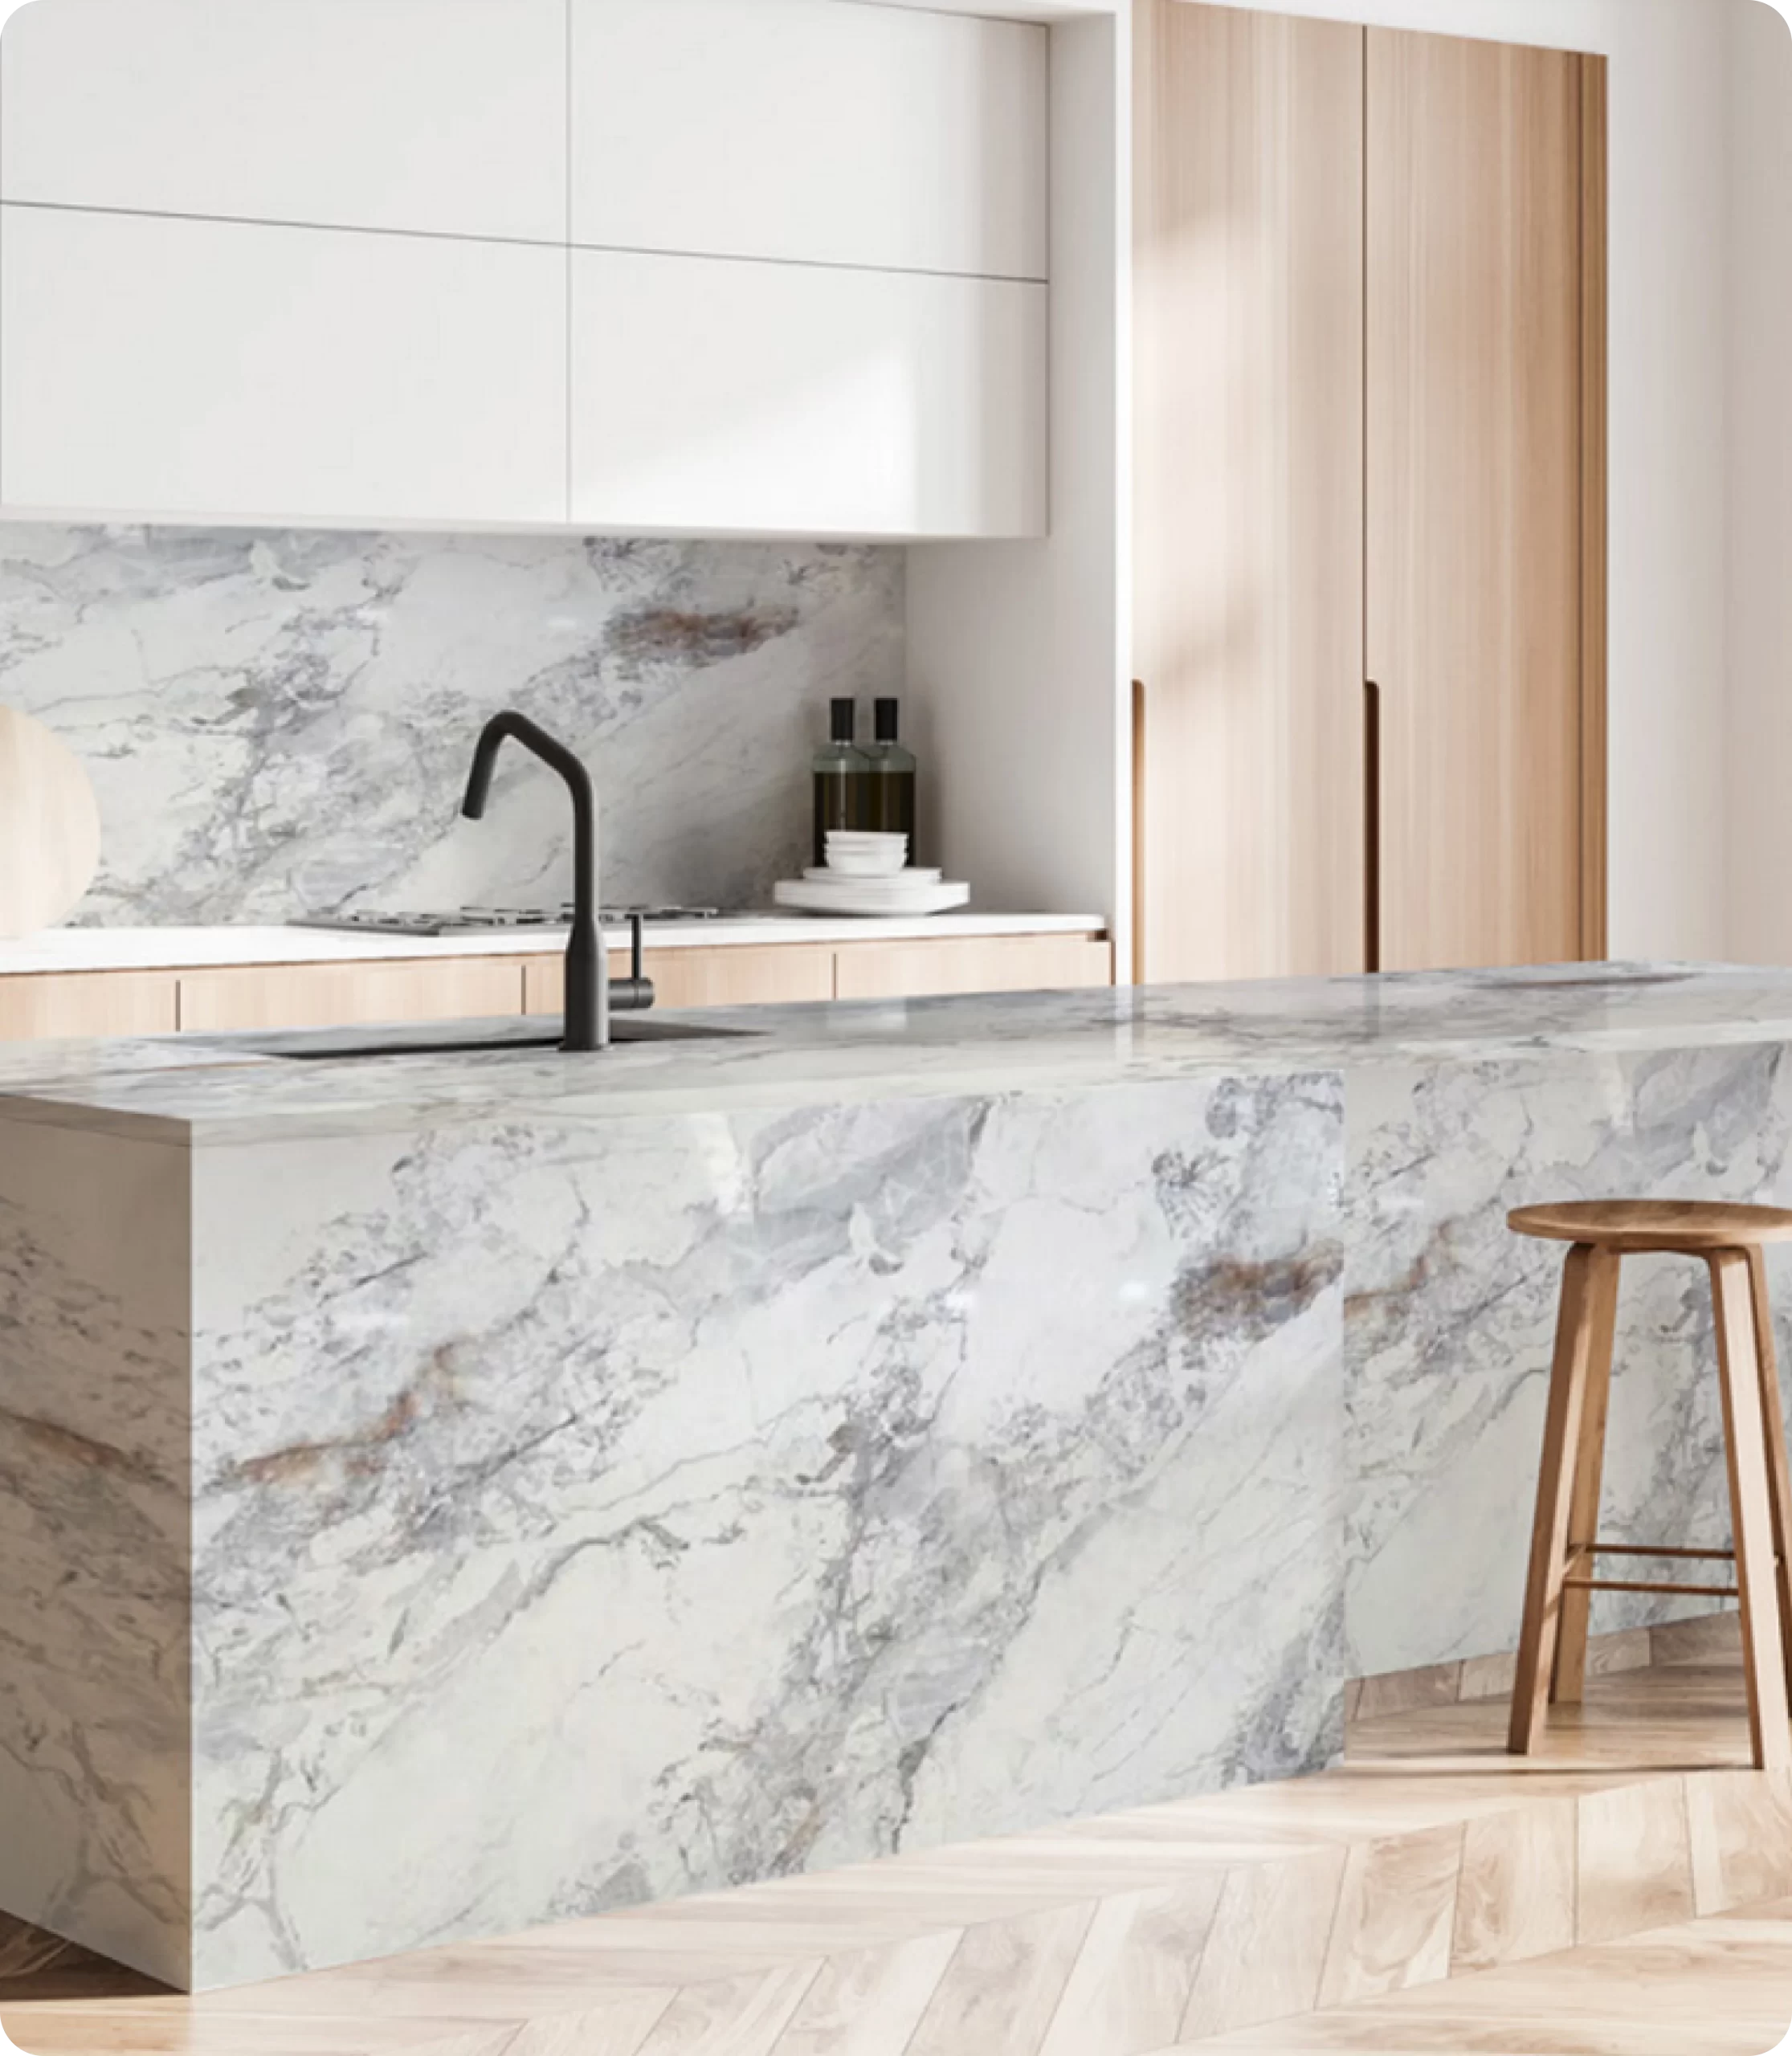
429,1510
578,1519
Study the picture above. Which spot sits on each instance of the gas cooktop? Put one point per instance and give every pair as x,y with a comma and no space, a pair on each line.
477,921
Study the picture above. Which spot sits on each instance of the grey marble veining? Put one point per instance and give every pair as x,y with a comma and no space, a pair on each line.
280,723
570,1482
584,1515
96,1425
1451,1321
223,1089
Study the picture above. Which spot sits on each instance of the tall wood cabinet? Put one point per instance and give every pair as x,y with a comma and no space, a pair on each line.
1370,600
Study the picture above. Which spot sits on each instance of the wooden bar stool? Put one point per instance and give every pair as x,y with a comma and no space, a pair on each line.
1564,1544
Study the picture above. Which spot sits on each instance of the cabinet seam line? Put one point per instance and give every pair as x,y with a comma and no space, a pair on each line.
528,243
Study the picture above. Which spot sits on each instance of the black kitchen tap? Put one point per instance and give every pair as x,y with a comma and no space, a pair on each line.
587,1023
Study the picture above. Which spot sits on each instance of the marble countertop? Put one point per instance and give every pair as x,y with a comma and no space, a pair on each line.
224,1088
64,950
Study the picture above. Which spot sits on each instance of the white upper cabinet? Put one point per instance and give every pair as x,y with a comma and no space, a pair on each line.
447,115
715,394
308,260
811,131
226,370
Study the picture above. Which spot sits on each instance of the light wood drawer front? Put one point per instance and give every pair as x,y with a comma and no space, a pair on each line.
784,973
349,995
878,970
96,1003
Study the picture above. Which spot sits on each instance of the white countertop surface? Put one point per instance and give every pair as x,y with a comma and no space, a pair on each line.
228,1088
187,949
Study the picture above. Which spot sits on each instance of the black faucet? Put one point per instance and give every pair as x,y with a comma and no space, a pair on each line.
587,1025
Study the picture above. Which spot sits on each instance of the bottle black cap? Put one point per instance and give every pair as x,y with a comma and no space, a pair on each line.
844,717
886,712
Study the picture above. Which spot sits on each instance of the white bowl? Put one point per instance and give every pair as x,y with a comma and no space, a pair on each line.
870,863
858,853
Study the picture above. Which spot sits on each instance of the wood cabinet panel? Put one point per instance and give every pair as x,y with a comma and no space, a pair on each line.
811,133
448,116
913,970
713,395
739,975
349,995
788,973
245,998
1248,270
88,1003
199,369
1475,496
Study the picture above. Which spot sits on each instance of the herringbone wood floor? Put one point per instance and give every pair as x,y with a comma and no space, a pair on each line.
1629,1890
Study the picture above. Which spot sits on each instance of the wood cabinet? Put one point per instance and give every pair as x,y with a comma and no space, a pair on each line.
1475,577
47,1008
443,116
205,369
811,133
1369,597
782,973
719,395
1248,537
743,976
349,995
243,998
976,964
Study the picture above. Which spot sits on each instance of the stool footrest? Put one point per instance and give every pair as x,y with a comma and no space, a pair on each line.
1644,1549
1638,1585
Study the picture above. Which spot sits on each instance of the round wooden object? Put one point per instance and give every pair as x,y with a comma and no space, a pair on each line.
1639,1224
49,827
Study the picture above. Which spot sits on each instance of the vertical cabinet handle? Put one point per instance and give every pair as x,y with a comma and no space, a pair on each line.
1372,825
1140,859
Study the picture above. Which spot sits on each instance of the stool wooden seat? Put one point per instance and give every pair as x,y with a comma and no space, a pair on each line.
1634,1225
1565,1543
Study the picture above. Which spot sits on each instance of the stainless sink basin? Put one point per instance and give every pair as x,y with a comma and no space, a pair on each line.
361,1045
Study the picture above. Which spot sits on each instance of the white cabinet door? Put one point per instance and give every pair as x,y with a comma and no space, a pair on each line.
194,368
809,130
442,115
712,395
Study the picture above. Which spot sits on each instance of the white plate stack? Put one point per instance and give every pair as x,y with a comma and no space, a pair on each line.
869,873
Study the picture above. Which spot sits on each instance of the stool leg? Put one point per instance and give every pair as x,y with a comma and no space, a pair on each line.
1568,1686
1779,1470
1587,1271
1751,1511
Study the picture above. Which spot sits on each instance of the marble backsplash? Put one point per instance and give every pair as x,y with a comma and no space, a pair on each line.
279,723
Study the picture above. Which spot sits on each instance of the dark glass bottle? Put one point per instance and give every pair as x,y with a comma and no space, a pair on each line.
890,789
840,776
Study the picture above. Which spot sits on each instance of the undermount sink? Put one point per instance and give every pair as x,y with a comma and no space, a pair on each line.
345,1048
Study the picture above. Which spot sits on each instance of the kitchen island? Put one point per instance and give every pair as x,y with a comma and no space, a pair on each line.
442,1494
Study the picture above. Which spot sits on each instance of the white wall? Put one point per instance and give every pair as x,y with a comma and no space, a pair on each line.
1760,511
1017,651
1668,86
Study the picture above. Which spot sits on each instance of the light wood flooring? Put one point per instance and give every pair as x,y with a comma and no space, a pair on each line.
1627,1890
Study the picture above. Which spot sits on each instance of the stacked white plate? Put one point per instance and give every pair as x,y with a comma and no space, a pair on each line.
908,894
864,873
